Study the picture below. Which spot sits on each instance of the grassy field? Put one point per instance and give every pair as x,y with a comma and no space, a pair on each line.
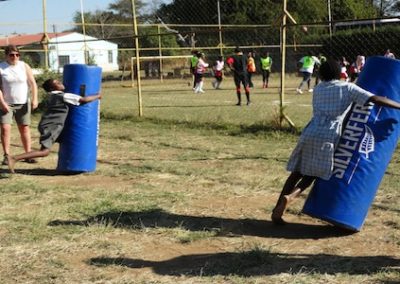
184,195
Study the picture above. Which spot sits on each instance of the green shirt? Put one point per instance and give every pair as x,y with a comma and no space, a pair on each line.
266,63
308,62
193,61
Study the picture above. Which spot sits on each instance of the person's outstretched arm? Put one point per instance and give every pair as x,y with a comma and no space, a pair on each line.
383,101
88,99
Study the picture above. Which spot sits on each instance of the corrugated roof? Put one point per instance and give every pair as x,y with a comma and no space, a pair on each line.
22,40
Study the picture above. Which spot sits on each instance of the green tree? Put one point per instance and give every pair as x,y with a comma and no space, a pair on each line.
232,12
97,24
115,24
352,9
257,12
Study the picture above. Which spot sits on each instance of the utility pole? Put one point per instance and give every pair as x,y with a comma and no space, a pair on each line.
220,29
330,18
135,34
285,16
84,35
45,38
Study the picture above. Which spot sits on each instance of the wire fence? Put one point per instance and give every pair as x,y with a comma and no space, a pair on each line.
166,38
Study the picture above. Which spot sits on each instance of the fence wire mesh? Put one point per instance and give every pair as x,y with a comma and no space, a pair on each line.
168,31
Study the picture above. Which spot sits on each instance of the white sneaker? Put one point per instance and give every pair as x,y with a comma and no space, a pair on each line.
310,90
299,91
201,91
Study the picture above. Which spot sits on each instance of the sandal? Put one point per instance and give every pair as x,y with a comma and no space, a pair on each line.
5,160
30,161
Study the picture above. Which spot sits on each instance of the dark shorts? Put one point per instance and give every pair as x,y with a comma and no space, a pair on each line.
241,79
21,112
49,133
198,77
306,76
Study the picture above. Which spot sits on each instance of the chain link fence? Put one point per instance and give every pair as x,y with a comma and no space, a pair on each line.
167,36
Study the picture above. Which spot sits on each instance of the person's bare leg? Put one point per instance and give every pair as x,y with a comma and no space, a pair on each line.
6,138
12,160
304,183
288,188
25,134
287,199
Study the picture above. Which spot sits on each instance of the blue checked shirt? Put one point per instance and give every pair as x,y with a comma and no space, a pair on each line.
313,154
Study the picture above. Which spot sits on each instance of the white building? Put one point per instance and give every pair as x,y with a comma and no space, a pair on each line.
66,48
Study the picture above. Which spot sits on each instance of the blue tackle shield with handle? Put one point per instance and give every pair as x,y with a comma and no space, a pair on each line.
368,140
79,139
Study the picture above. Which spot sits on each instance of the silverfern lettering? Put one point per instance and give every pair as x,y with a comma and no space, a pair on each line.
353,133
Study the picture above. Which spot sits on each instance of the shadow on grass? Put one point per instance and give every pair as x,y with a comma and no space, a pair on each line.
40,172
258,262
221,226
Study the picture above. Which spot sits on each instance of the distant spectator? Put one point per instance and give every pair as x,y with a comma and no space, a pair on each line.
344,67
307,64
193,63
218,69
321,59
389,54
238,64
356,67
266,65
251,68
200,70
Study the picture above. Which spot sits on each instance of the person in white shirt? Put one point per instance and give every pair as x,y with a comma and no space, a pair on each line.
389,54
16,82
200,70
218,72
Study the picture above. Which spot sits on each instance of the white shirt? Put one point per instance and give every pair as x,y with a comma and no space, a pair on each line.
14,82
201,66
219,65
389,55
69,98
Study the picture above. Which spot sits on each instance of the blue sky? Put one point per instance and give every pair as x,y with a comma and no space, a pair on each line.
26,16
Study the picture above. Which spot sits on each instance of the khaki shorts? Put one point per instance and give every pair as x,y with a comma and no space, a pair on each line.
21,112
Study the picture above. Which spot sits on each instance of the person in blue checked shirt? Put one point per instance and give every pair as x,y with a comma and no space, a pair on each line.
313,156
